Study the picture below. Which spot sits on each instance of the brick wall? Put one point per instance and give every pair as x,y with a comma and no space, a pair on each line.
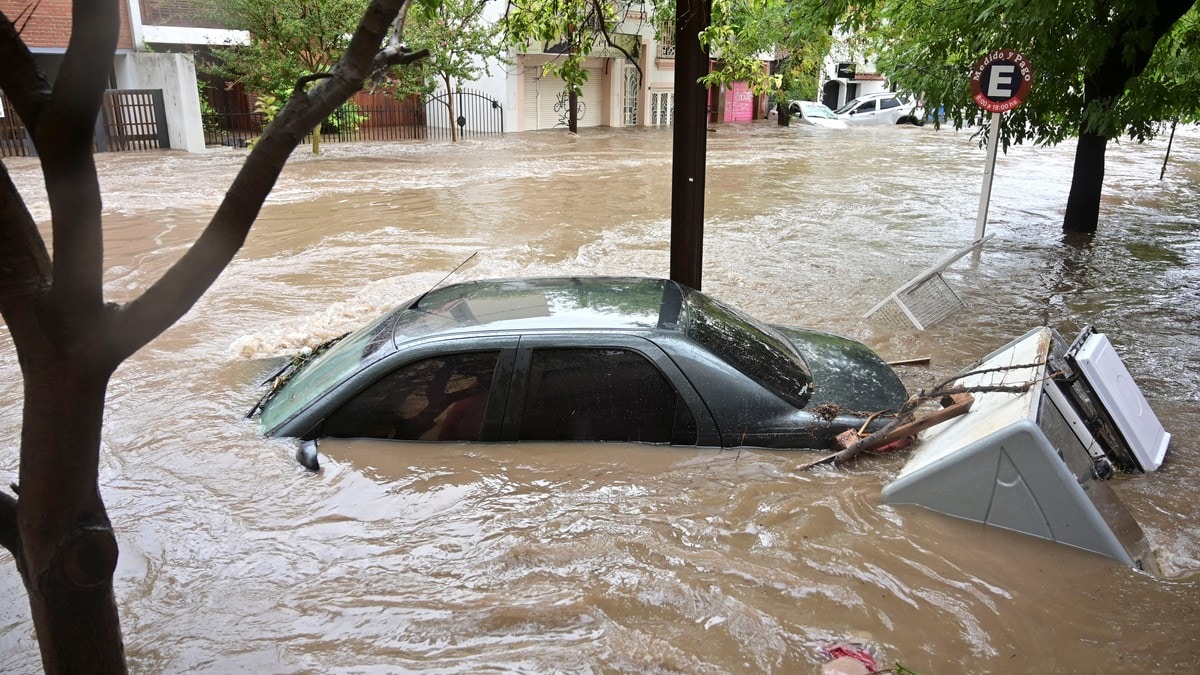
50,26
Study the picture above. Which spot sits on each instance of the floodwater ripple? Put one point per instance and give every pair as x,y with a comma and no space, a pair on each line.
611,557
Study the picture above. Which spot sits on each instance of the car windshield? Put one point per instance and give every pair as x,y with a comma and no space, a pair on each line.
848,107
817,110
342,360
753,348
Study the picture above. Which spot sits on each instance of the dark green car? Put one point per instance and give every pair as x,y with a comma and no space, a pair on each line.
582,359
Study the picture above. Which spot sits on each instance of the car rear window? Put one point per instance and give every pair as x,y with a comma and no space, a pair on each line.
745,343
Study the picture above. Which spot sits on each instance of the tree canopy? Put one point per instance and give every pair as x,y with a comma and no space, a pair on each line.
461,42
1102,70
1092,63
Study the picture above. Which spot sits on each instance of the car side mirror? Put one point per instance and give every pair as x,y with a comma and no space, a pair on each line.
306,454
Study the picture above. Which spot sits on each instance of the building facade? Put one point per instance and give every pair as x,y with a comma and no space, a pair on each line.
633,85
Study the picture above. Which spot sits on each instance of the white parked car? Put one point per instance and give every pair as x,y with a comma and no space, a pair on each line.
882,107
816,114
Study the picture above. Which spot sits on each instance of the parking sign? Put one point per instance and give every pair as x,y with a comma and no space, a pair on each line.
1000,81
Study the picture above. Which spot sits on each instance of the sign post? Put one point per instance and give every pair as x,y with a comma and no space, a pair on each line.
1000,81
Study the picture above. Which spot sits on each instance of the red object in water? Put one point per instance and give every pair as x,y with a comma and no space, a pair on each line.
845,649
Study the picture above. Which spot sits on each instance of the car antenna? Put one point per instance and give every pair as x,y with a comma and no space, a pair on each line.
443,279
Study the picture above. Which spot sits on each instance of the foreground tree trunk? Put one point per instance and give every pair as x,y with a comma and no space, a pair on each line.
69,341
68,551
1087,184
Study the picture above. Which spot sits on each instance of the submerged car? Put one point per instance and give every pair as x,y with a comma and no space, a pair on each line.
582,359
882,107
816,114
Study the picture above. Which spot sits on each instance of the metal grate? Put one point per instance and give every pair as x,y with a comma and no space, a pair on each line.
924,301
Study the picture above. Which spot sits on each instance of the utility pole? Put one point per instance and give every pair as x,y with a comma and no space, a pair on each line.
690,142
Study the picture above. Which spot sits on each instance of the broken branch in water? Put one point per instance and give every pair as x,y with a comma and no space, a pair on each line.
956,401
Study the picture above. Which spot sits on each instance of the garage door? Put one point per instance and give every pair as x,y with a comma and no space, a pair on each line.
546,100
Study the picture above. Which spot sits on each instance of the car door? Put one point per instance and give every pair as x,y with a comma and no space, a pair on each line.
446,390
864,113
602,388
890,110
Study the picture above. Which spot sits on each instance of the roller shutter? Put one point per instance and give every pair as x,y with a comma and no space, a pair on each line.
543,93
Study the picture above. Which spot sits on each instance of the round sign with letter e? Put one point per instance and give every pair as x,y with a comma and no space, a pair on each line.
1000,81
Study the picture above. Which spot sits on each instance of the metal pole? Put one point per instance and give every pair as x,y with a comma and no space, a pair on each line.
690,143
989,166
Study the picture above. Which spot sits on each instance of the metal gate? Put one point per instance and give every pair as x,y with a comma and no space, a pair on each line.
132,119
129,119
475,114
14,140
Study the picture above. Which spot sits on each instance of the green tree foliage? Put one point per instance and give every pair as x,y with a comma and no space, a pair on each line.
460,42
289,39
741,36
744,33
574,27
577,26
1102,69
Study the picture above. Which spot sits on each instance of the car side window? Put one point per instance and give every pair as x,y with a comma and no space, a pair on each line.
888,103
437,399
601,395
866,107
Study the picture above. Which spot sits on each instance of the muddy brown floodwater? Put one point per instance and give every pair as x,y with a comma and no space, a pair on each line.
602,558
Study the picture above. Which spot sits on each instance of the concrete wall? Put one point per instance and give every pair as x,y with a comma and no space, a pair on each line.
175,74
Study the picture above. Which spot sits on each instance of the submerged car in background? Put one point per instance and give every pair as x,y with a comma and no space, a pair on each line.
816,114
883,107
582,359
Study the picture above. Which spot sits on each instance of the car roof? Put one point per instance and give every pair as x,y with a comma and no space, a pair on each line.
591,303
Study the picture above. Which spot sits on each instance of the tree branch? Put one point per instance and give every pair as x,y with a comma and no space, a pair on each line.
24,261
168,299
20,78
64,142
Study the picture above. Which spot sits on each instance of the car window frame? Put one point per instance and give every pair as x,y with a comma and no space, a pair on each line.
357,383
706,429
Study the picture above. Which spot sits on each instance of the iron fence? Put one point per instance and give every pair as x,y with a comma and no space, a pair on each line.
348,123
129,119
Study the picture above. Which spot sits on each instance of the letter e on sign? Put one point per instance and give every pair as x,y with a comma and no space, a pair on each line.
1000,80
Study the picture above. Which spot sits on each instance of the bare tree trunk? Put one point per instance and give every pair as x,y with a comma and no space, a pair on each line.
573,112
450,110
68,551
1087,184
